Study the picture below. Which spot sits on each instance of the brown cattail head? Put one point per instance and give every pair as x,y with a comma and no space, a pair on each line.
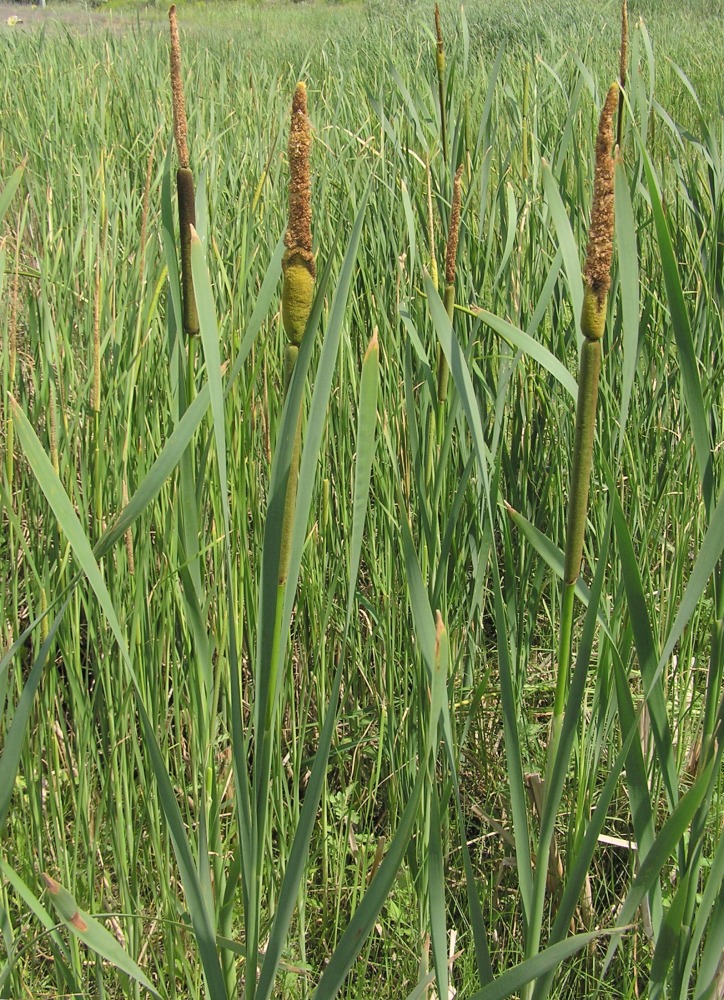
299,228
454,230
180,125
298,264
597,270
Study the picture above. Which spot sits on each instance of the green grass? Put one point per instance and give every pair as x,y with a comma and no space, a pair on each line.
87,108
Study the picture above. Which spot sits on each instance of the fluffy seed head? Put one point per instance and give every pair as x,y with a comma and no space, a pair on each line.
454,231
180,125
600,237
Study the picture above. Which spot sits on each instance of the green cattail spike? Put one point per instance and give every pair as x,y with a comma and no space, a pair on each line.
184,180
440,61
450,268
298,263
623,66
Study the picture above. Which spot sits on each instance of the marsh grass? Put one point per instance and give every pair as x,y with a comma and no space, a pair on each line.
478,533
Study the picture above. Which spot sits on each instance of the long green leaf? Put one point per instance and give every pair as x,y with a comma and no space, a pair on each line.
69,523
93,934
682,333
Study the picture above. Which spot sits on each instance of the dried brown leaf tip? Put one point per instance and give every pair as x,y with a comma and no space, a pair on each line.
454,230
597,270
180,125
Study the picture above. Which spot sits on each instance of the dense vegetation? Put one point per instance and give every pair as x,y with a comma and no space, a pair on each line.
138,710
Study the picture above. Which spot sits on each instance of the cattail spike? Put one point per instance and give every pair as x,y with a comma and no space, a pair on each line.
180,125
298,264
597,269
454,230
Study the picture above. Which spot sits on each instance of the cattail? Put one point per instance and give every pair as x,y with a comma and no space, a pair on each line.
184,180
597,269
623,65
298,288
597,280
454,229
450,267
298,263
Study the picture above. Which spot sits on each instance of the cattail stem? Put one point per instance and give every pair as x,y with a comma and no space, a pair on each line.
588,374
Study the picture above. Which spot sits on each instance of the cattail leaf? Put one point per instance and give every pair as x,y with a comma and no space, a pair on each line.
647,654
628,269
372,902
668,937
48,922
172,451
436,890
366,426
511,230
71,527
709,554
10,187
661,850
683,336
410,221
93,934
709,914
558,766
553,556
15,736
534,968
528,345
710,963
579,866
567,244
463,382
294,872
